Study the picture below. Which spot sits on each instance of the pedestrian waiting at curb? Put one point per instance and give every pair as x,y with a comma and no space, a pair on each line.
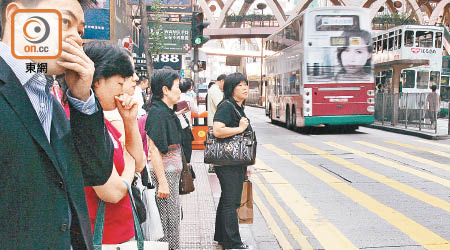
215,96
433,104
185,118
226,124
114,85
46,160
164,147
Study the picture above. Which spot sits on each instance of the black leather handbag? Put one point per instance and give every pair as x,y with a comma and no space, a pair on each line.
237,150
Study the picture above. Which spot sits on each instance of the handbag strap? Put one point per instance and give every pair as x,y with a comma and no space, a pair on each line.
100,222
187,120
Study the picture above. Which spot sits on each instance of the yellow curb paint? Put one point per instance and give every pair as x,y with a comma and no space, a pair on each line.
272,224
324,232
406,155
433,151
293,229
413,192
423,175
414,230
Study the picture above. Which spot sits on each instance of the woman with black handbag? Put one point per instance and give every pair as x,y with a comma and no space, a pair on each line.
230,120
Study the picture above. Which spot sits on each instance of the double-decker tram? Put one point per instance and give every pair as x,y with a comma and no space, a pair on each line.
321,73
412,42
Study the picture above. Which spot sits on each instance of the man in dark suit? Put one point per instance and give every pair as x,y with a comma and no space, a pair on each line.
45,160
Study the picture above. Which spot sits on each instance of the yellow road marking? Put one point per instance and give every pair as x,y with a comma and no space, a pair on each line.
326,233
413,192
406,155
272,224
433,151
293,229
392,164
434,143
414,230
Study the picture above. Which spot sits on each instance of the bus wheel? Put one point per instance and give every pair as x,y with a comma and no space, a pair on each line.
293,126
288,121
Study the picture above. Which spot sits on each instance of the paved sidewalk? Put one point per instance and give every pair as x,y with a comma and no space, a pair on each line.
199,212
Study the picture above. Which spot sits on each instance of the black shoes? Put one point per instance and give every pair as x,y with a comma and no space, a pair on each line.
242,246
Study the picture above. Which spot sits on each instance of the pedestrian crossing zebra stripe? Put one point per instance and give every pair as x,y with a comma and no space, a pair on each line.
429,150
293,229
418,173
406,189
412,229
434,143
406,155
272,224
324,232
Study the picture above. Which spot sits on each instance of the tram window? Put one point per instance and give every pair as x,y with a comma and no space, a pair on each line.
385,42
444,81
374,46
438,41
399,40
434,78
422,79
409,38
424,39
410,78
379,43
391,43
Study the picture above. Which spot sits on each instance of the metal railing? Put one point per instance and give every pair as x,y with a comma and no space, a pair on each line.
408,110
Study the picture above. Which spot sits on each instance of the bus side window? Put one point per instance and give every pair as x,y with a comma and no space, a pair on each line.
409,38
438,40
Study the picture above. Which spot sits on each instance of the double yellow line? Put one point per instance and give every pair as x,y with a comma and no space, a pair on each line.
325,233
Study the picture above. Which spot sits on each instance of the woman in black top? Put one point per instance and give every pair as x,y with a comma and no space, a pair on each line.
228,123
164,131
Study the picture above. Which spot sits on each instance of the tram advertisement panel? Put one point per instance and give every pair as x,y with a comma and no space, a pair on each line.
345,57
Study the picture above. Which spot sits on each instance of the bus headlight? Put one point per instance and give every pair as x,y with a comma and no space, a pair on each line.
371,100
371,92
370,108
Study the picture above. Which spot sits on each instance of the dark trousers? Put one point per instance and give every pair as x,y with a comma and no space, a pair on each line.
186,143
231,179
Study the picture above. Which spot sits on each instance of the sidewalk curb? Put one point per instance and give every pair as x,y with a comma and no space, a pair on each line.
409,132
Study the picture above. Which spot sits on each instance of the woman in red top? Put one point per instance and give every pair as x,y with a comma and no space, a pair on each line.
113,82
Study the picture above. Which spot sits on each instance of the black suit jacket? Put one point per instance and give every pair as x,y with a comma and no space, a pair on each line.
40,180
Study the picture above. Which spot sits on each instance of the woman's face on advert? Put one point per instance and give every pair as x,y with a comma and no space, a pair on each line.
240,92
173,94
354,58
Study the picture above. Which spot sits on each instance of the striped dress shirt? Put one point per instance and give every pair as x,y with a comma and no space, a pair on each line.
38,93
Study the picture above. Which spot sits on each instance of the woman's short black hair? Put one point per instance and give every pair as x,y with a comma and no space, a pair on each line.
161,78
109,60
186,85
231,81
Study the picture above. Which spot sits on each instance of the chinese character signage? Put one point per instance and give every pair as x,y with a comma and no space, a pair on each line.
176,36
98,24
169,6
